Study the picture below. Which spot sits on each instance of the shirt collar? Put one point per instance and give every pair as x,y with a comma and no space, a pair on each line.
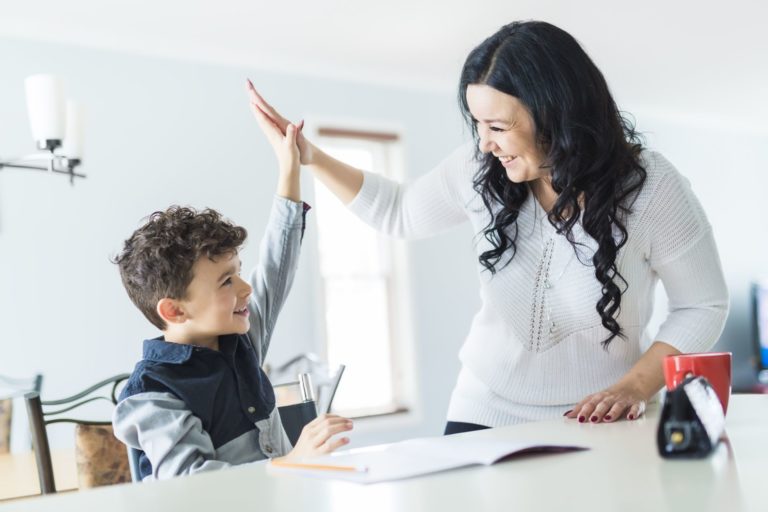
162,351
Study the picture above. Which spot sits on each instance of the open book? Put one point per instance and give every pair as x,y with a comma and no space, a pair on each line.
413,457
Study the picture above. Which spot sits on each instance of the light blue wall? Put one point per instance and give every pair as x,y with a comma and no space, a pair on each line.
162,132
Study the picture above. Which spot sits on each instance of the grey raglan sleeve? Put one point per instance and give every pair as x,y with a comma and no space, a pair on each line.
167,432
273,276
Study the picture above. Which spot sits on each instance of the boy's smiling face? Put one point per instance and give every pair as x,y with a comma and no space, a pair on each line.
216,303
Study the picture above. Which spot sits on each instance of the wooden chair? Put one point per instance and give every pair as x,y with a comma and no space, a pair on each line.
11,388
101,458
6,414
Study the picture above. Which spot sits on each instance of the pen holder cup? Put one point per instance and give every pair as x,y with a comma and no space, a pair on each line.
294,417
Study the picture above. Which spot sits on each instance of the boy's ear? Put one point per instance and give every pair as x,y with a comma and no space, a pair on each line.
171,311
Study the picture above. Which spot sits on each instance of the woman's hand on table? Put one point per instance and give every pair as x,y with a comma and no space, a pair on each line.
622,400
628,397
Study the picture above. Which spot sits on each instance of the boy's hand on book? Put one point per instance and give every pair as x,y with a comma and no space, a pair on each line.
263,111
317,436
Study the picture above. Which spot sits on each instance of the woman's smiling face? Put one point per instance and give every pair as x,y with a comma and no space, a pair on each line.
506,130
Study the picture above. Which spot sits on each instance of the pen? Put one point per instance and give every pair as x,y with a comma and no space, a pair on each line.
322,467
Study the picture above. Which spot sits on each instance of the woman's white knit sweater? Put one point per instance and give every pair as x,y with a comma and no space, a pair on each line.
534,348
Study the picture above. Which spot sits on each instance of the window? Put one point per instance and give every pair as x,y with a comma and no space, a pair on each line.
361,277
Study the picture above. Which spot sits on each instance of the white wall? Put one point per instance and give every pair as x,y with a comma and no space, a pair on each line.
163,131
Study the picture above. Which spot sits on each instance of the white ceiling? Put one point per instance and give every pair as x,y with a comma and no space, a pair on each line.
672,55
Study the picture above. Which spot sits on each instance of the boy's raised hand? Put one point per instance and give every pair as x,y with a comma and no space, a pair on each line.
262,109
316,437
283,144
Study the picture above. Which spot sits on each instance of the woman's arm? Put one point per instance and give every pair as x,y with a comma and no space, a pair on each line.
698,306
629,396
683,253
425,207
284,144
342,180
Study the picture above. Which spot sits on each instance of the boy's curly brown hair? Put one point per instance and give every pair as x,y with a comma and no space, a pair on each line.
156,261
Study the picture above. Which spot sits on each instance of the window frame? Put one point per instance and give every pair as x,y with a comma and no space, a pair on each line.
389,142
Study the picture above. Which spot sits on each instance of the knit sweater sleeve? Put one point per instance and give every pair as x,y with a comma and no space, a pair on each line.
684,255
429,205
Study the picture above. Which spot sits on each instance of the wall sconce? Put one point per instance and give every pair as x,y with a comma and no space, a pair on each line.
57,127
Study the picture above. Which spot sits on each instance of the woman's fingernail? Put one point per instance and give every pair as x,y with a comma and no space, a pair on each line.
593,419
582,419
631,416
607,418
568,412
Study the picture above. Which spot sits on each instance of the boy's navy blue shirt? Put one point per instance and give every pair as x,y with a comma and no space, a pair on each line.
226,389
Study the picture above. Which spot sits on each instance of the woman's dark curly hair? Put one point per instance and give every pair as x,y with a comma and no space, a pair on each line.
591,149
156,261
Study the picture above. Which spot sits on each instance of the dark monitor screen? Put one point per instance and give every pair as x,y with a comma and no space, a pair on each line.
760,326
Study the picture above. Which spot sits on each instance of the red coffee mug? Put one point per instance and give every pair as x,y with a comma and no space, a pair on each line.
713,366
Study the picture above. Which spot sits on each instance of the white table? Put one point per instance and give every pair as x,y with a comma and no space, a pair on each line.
621,472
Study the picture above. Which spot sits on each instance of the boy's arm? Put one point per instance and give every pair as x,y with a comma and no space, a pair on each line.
167,432
273,276
279,252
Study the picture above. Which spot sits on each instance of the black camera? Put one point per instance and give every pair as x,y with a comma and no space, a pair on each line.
692,420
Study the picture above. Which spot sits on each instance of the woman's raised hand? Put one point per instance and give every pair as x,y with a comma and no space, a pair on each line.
343,180
261,110
317,436
282,140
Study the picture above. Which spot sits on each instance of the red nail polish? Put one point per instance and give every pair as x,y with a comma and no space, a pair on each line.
631,416
607,418
593,419
582,419
568,412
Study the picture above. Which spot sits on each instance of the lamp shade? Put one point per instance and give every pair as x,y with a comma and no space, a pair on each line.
45,105
72,147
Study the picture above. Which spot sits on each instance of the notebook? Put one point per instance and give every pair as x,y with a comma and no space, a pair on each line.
411,458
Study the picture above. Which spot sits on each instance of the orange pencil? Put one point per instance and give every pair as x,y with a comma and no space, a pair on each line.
322,467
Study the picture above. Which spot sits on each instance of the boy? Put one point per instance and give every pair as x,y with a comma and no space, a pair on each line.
198,400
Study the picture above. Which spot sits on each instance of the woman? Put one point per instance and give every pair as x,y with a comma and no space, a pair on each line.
575,221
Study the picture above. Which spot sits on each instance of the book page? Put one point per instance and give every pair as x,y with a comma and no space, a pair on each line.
467,450
413,457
